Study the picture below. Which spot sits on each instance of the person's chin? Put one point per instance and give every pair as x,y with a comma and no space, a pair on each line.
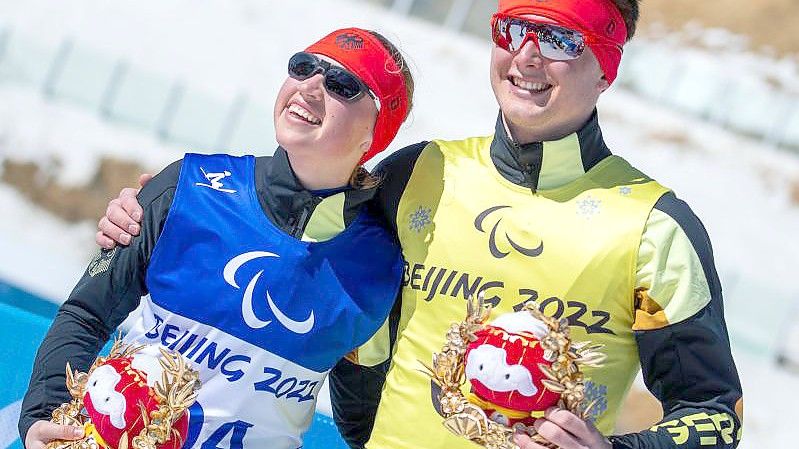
527,114
295,140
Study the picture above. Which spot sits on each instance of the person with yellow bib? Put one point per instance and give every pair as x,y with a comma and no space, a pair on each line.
542,211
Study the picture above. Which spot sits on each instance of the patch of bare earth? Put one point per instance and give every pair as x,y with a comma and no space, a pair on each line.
795,192
70,203
767,24
675,137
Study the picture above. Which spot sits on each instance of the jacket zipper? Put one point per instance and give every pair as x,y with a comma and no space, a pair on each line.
529,171
297,225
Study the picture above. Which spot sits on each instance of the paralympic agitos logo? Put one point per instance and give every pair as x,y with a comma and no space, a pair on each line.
247,310
492,237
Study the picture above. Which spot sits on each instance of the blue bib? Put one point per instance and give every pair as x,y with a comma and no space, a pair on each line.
261,315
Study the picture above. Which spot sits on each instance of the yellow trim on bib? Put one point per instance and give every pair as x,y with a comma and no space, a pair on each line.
90,431
509,412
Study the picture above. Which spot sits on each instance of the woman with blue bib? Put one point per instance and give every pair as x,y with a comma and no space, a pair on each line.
263,272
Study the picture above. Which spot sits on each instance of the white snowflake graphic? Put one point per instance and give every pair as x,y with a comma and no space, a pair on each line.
589,206
625,190
419,219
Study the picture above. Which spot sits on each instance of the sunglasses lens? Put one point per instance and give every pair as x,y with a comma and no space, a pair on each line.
554,42
510,33
516,33
338,81
343,84
502,35
560,43
303,65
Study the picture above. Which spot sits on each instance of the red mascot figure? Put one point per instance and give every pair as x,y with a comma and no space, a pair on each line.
136,397
492,379
502,365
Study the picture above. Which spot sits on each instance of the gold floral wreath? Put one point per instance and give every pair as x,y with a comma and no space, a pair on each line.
564,376
176,391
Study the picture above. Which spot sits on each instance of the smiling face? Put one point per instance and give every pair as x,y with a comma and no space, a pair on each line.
543,99
311,123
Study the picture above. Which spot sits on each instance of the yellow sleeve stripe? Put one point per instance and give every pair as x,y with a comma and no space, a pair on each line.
327,220
670,273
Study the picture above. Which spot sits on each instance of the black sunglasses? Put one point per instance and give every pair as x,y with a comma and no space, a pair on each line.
338,81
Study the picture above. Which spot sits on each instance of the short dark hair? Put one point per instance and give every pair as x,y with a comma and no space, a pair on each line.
629,12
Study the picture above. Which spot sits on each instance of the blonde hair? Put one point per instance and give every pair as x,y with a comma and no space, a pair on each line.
361,179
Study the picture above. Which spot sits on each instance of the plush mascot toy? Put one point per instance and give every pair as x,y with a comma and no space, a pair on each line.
136,397
491,379
503,366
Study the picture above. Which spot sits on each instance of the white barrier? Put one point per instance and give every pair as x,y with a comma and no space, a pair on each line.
683,78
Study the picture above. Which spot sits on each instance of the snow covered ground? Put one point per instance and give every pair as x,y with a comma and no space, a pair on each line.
739,187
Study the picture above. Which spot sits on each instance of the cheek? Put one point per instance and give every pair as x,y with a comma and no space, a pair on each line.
576,81
288,89
590,73
562,72
500,64
347,123
337,133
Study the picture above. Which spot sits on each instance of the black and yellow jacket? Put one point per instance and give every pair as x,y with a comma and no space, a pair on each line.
576,230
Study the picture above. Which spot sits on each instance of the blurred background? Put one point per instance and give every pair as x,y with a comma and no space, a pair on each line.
92,93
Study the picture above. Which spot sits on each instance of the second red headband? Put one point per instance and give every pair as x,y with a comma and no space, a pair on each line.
362,53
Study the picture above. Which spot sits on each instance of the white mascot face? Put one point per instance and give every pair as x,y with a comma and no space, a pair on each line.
147,362
521,322
105,398
488,365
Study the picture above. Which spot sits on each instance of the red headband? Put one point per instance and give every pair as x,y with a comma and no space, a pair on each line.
360,52
599,18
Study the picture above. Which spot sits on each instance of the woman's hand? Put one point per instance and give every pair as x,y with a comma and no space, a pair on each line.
122,218
43,432
565,429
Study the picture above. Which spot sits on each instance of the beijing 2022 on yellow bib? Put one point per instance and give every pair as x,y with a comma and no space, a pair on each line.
465,229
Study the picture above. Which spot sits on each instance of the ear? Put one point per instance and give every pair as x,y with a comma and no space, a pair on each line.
365,145
602,84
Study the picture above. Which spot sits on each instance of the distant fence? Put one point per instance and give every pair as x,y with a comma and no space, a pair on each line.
692,82
118,91
682,78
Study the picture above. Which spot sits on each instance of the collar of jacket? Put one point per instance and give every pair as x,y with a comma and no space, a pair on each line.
550,164
287,202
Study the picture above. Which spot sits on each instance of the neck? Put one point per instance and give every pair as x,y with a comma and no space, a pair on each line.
524,135
549,163
316,174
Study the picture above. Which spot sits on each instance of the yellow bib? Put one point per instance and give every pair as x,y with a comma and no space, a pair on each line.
465,229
